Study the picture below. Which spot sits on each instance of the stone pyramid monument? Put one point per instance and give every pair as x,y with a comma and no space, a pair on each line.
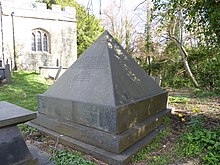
104,104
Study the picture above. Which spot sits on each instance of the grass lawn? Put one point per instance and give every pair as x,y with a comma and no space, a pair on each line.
24,89
191,134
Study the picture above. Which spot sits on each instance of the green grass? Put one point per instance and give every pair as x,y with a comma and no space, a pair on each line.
178,99
23,92
205,94
194,141
24,89
153,146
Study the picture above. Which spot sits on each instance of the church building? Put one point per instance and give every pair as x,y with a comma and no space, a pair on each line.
33,36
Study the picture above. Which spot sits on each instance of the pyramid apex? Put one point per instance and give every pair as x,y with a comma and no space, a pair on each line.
104,37
106,32
105,75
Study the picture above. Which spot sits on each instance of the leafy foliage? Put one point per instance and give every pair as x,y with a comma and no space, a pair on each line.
200,16
88,27
201,142
201,25
71,158
25,129
172,72
206,63
178,99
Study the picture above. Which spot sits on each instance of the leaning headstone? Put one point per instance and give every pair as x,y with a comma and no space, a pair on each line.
58,73
104,104
8,73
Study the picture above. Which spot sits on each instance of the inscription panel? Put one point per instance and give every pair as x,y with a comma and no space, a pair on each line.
91,63
83,76
96,116
85,114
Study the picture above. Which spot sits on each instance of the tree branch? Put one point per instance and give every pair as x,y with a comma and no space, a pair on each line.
139,4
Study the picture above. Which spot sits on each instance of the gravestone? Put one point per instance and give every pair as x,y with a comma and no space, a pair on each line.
8,73
58,73
2,73
104,104
13,149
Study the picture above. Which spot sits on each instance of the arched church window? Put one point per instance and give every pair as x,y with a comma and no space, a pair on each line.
33,42
45,45
39,40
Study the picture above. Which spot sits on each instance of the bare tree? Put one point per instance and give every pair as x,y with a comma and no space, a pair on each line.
121,25
178,40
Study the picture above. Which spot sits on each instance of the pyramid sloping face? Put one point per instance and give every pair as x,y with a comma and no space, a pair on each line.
131,83
105,75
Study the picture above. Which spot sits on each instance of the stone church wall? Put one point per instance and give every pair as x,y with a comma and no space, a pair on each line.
27,18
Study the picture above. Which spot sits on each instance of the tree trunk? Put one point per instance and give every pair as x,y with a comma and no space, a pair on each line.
184,58
179,44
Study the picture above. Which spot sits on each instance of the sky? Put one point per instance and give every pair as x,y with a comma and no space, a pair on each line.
93,6
137,13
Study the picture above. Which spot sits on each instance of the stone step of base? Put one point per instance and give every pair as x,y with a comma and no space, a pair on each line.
104,140
106,156
42,157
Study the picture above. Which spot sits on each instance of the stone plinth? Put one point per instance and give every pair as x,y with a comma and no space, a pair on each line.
105,101
13,149
12,114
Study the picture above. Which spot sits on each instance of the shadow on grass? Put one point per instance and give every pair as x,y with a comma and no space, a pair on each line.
24,89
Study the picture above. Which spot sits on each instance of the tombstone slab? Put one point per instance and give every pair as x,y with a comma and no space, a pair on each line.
105,99
13,149
12,114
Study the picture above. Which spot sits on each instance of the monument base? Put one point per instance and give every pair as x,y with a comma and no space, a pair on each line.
115,143
108,157
113,149
14,150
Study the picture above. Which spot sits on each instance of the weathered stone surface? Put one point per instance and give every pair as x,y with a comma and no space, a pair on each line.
60,26
42,156
13,149
104,104
2,72
111,158
11,114
104,140
8,73
105,75
92,115
106,118
100,87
